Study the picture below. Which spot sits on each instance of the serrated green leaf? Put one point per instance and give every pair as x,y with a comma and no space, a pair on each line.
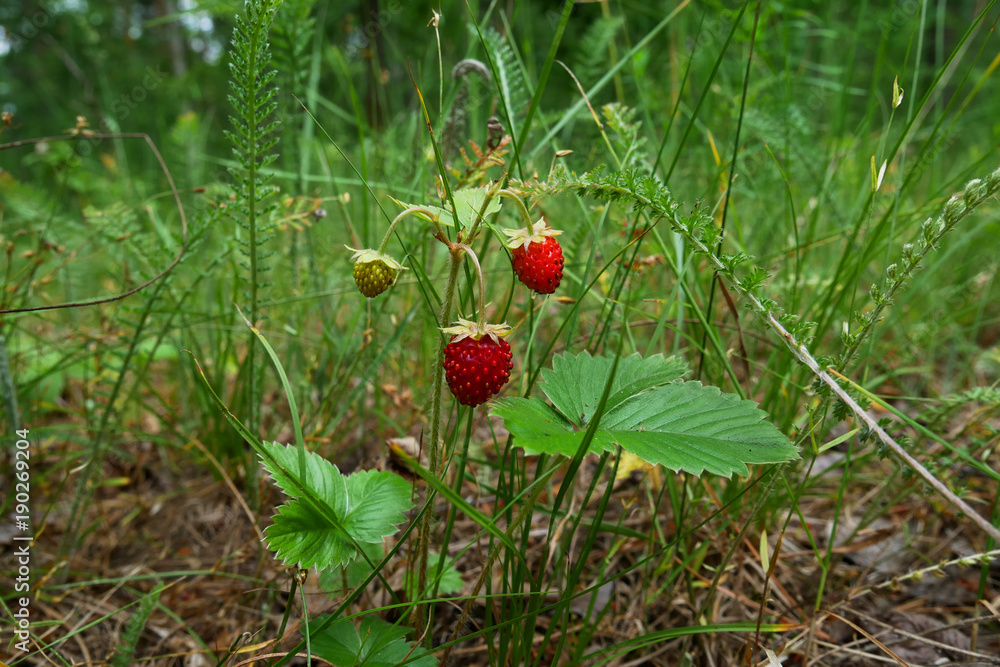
468,201
324,478
575,383
535,419
375,644
304,536
367,505
377,502
681,425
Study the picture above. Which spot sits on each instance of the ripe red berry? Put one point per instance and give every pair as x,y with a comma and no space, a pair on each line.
477,368
540,266
537,256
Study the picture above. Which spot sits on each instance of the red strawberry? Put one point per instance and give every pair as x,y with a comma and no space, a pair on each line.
477,361
538,257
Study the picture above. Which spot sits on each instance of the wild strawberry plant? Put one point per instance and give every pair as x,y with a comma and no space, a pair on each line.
330,515
606,405
374,643
530,293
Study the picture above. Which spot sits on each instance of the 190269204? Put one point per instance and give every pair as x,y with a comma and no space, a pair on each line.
22,554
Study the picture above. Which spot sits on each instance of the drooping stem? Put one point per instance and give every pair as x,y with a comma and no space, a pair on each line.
410,211
482,284
438,388
434,447
521,208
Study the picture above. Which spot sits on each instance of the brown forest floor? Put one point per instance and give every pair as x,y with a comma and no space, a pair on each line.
170,511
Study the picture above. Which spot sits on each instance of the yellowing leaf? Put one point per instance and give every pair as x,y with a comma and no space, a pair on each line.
765,558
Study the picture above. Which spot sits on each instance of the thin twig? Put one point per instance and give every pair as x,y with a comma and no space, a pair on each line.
173,189
922,638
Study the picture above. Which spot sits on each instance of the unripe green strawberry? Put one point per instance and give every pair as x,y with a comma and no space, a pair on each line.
477,361
374,272
373,278
537,257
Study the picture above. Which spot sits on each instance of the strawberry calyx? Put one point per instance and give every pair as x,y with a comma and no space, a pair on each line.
522,237
368,255
476,331
374,272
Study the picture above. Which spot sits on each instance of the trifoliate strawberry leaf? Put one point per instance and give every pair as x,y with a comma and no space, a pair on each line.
317,528
375,644
680,425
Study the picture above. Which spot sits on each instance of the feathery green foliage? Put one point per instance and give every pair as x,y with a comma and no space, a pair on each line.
932,232
125,654
253,137
592,49
292,33
507,76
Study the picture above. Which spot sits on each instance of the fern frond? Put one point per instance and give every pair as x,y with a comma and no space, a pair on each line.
626,134
592,52
292,33
133,630
254,136
509,78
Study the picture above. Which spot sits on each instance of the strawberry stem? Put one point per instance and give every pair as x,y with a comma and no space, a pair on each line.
522,209
434,450
482,284
491,194
438,386
413,209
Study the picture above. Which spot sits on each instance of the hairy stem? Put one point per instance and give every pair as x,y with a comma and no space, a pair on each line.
521,208
434,447
482,285
410,211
